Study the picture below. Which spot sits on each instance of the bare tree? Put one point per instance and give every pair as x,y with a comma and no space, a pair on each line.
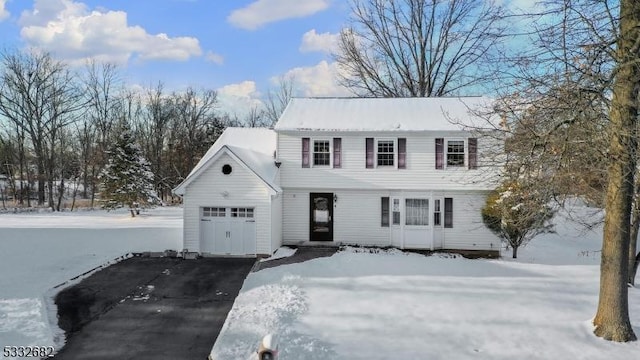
154,127
277,100
255,118
418,48
102,90
196,127
612,318
573,93
39,96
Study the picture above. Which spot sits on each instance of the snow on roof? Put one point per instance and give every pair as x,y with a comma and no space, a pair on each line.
253,146
384,114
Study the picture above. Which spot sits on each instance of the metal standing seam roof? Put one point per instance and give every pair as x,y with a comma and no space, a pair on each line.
385,114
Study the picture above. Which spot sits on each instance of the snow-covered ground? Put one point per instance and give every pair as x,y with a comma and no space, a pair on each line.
393,305
39,251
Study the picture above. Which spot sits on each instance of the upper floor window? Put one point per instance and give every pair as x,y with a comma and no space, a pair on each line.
451,153
386,153
321,153
455,153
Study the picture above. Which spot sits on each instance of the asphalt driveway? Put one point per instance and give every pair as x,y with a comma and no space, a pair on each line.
150,308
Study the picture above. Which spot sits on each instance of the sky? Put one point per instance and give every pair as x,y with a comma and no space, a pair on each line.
239,48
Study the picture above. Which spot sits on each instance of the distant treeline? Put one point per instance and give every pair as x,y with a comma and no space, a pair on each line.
57,124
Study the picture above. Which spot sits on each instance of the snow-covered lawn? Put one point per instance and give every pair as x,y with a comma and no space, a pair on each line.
39,251
393,305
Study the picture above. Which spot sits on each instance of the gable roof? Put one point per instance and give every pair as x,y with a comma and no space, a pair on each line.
383,114
252,147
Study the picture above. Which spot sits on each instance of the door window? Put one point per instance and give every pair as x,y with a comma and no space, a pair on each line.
416,212
396,211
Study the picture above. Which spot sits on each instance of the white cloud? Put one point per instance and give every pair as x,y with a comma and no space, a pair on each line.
318,80
262,12
238,99
325,42
214,58
74,33
4,13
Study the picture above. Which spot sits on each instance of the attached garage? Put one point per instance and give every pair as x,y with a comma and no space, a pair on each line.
228,231
231,198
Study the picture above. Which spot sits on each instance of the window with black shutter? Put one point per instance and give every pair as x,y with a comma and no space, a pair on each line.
384,220
473,153
402,153
369,152
337,152
305,152
448,212
439,153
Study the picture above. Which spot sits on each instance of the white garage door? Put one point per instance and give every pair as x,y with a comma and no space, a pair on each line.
228,231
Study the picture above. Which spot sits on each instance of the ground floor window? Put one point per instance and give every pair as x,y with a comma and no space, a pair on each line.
417,212
384,214
448,212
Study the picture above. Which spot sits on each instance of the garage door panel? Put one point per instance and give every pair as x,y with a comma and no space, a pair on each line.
207,231
228,231
249,237
237,230
221,239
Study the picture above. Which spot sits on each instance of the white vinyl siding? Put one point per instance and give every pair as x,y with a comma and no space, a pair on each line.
468,231
356,218
353,174
243,189
276,228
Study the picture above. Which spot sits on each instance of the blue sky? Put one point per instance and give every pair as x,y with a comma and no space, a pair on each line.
238,47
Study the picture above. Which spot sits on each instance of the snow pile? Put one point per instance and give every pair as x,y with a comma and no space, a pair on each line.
40,251
282,252
360,304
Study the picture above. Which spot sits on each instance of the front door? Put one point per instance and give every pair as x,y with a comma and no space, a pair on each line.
321,217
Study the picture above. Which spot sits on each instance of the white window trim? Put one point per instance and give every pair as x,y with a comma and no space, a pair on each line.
312,152
395,153
445,152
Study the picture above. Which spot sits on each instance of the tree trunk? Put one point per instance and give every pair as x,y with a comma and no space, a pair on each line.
60,194
634,269
633,238
612,317
514,252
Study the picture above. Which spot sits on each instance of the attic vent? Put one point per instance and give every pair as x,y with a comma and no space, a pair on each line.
226,169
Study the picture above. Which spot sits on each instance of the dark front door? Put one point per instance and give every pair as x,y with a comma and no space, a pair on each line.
321,217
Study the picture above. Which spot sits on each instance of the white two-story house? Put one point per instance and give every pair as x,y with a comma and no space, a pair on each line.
399,172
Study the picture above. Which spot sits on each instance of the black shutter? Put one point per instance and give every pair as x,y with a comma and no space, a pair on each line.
473,153
369,152
439,153
448,212
337,152
305,152
402,153
384,220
